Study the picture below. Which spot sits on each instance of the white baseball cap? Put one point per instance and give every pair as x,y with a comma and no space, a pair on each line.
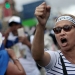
15,19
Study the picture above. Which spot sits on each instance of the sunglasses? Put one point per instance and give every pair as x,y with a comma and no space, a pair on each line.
66,28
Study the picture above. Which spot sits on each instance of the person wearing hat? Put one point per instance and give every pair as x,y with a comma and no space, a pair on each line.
21,45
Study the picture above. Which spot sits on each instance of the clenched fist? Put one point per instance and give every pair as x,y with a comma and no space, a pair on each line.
42,13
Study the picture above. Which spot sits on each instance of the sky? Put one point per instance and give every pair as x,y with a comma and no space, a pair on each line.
19,3
55,4
61,3
1,1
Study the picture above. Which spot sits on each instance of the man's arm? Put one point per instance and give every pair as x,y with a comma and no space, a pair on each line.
42,13
14,68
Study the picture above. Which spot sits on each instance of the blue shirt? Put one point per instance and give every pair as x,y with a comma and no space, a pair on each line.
4,59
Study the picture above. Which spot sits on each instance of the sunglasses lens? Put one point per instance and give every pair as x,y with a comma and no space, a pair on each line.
67,27
57,30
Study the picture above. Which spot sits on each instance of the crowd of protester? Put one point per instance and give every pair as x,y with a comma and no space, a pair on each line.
19,49
36,54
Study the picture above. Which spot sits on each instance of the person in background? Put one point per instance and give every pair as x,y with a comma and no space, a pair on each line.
48,41
7,67
59,62
53,37
21,45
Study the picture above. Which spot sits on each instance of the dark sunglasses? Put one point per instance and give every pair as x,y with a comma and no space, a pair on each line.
66,28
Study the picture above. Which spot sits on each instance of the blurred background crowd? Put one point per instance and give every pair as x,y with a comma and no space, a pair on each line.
25,10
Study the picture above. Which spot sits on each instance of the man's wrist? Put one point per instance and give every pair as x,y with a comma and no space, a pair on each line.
40,26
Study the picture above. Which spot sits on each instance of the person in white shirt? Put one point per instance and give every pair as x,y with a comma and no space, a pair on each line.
21,46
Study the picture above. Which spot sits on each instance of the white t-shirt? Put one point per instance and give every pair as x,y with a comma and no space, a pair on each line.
28,63
55,67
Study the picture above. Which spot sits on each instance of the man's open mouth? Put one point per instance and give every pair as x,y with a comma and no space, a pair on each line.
64,41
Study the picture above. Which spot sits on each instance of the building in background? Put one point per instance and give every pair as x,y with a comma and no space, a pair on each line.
7,10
